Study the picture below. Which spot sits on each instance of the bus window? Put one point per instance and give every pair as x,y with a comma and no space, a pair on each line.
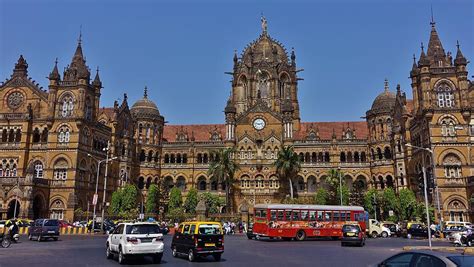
273,215
327,216
343,216
312,215
264,214
304,215
295,215
258,213
280,215
287,215
320,216
335,216
348,216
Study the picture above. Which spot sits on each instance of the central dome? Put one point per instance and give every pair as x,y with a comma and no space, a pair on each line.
265,48
145,108
384,101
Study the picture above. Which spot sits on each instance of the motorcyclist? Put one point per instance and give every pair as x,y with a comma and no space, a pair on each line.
13,229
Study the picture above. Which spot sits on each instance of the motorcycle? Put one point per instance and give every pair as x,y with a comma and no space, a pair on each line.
13,232
4,239
463,239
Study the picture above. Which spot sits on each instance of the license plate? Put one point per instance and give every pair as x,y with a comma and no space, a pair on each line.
50,232
350,234
210,245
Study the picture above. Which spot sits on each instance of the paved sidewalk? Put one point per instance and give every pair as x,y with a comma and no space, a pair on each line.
463,250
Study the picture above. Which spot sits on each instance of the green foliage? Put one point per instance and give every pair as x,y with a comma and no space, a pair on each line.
177,215
287,164
222,170
333,179
176,199
408,204
191,201
79,213
152,199
124,202
213,202
345,195
321,197
390,201
368,201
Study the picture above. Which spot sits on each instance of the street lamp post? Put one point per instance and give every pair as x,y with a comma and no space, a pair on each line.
106,160
340,182
425,190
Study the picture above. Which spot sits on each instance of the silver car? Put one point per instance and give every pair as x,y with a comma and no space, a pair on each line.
428,259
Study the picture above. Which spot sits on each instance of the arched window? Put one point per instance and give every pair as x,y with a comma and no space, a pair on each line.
204,158
301,156
445,96
307,157
372,152
327,158
172,158
379,153
452,166
60,170
181,183
64,135
199,158
389,179
448,128
214,185
148,182
142,155
343,157
167,158
36,136
88,110
387,153
185,158
141,182
202,184
178,158
44,135
157,156
363,158
38,171
349,157
314,157
67,106
356,156
150,156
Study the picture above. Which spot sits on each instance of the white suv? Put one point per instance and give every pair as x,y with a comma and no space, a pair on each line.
135,239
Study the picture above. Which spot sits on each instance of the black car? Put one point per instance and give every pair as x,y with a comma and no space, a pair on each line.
417,230
250,233
352,234
44,229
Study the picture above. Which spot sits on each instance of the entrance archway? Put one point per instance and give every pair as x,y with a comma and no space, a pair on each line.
11,209
39,210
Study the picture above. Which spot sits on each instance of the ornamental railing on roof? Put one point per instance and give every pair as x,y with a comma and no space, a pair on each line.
14,116
437,70
68,83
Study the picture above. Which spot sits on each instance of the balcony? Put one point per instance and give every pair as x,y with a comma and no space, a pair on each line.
455,182
12,180
10,145
40,181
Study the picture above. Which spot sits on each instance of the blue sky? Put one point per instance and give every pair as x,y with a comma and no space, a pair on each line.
181,49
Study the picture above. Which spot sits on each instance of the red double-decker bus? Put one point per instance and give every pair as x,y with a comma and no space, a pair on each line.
301,221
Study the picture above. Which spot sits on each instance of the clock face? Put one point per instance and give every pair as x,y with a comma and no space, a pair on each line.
258,124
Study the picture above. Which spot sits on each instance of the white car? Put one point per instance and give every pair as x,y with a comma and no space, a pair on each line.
135,239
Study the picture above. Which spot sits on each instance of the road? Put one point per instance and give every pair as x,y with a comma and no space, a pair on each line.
239,251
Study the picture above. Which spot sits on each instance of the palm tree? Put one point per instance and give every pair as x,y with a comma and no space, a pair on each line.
288,164
222,170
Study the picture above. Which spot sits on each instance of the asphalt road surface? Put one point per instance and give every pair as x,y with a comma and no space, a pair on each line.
239,251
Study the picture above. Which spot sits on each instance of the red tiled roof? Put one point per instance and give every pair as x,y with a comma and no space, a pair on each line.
326,129
201,132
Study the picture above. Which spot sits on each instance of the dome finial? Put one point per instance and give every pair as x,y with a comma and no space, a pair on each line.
145,92
432,18
79,41
385,87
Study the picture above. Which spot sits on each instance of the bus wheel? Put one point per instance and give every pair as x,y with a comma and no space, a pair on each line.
301,235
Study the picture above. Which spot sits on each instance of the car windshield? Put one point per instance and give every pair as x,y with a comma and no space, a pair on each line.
209,229
142,229
350,228
51,223
462,260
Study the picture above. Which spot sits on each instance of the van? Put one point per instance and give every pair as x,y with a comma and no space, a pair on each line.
198,239
44,229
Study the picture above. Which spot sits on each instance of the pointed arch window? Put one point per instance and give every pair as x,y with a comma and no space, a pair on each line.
445,96
448,128
67,106
60,170
64,135
39,171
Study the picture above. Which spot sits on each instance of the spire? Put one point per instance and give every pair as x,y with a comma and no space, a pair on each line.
235,57
145,93
424,61
460,59
21,68
54,75
97,81
435,47
293,56
230,108
385,86
77,69
414,68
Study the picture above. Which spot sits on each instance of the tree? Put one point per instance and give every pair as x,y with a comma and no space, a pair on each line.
191,201
288,165
222,170
390,201
175,200
124,202
369,200
333,179
213,202
177,215
152,199
321,197
408,204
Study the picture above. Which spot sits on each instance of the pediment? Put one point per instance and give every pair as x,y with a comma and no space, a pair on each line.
20,82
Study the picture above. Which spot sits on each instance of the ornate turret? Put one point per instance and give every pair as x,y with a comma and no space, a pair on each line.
54,75
78,68
230,108
414,69
424,61
293,57
97,83
460,59
21,68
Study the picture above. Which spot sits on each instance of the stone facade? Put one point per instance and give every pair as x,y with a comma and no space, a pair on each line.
52,140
